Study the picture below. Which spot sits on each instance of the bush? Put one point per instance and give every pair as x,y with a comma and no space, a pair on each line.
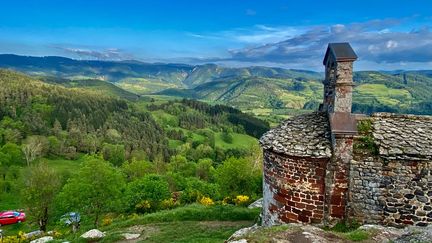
205,170
169,204
227,137
237,176
107,220
196,189
242,200
179,164
147,193
206,201
114,153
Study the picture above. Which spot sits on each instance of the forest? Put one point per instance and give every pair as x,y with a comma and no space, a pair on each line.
68,149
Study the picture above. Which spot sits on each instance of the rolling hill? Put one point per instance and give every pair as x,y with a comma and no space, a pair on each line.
261,90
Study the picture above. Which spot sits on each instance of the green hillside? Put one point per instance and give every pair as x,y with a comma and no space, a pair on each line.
409,92
65,136
271,93
95,85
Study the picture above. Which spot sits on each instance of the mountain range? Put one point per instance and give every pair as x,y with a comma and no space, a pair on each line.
261,90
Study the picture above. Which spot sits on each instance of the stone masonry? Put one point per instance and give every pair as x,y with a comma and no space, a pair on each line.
317,169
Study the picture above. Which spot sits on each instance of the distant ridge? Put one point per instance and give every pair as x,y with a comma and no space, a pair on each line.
255,89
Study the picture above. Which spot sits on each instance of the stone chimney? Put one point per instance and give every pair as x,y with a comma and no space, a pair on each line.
338,81
338,87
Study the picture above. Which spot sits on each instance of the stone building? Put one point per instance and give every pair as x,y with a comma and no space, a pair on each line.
319,169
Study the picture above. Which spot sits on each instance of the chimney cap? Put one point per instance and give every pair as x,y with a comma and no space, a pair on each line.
342,52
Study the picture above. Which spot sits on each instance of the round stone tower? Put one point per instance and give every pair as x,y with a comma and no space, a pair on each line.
306,158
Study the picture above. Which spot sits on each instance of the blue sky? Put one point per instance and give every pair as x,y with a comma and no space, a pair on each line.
386,34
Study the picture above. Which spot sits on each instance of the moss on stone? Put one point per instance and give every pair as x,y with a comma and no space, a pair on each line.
364,142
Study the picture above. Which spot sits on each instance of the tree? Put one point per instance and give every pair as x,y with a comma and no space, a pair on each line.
146,194
94,190
34,147
15,153
114,153
137,168
205,170
179,164
41,185
238,176
227,137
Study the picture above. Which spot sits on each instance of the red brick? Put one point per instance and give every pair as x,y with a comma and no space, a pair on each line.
316,220
338,211
303,218
300,205
291,216
291,203
310,207
306,213
307,201
336,200
279,198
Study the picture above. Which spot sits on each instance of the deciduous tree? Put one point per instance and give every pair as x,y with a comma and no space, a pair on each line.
94,190
42,183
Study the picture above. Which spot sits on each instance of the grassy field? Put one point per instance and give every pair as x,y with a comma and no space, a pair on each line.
385,95
190,223
185,231
12,200
145,86
239,141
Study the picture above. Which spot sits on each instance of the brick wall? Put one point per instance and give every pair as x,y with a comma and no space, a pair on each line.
293,189
337,179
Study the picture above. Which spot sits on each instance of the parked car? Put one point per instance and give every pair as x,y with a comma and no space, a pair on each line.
11,217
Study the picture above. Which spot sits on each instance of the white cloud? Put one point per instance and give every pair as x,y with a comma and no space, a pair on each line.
391,44
374,41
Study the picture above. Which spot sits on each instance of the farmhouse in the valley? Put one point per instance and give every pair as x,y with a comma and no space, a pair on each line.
331,165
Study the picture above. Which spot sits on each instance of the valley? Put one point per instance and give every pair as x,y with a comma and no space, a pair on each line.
269,93
185,137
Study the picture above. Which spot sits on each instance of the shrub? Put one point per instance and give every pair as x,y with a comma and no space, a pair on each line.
168,203
179,164
107,220
114,153
195,189
206,201
237,176
227,137
146,194
143,206
241,200
205,170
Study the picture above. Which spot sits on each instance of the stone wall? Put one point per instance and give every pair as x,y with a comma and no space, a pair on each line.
293,189
394,192
344,85
407,193
365,189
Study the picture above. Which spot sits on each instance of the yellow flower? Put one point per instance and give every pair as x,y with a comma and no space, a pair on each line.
206,201
241,200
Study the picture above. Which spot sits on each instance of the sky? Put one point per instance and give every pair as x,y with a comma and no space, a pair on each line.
386,35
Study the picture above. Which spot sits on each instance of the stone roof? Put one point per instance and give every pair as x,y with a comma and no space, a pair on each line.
403,136
305,135
340,51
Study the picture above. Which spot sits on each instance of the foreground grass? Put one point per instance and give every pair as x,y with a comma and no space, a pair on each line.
182,231
194,212
191,223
